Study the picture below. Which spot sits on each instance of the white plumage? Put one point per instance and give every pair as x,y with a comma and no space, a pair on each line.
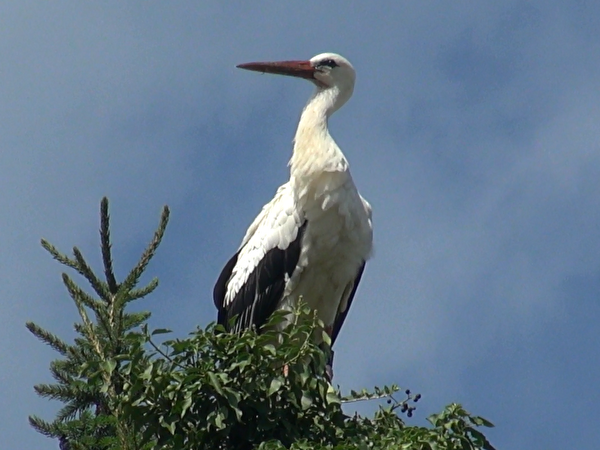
314,237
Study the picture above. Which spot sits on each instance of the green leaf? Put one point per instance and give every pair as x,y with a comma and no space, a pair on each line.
485,423
271,349
214,381
169,426
332,396
187,401
276,383
306,401
326,338
240,365
108,365
161,331
219,421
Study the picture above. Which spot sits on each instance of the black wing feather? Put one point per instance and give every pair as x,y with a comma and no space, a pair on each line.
341,317
259,296
221,285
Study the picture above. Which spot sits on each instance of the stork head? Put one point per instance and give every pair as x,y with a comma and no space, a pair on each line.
331,69
328,71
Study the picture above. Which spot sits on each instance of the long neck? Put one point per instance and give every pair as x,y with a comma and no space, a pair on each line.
314,148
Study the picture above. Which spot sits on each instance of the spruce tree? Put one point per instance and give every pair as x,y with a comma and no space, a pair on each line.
87,374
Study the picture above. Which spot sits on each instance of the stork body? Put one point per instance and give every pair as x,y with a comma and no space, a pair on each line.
313,238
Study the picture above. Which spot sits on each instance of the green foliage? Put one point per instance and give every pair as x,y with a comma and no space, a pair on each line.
221,390
217,390
212,390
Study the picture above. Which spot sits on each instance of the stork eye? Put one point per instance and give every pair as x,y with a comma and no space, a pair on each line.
329,63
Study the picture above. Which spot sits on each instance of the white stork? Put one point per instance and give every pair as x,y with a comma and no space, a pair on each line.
313,239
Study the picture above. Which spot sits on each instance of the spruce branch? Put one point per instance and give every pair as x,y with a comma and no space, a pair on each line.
132,279
80,265
68,412
41,426
48,338
100,287
98,307
106,247
60,373
134,320
58,391
136,294
58,256
76,292
89,330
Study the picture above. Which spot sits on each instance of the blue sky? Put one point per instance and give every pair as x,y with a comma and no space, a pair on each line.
473,132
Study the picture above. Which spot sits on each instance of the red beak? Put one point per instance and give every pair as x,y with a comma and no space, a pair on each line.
301,69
